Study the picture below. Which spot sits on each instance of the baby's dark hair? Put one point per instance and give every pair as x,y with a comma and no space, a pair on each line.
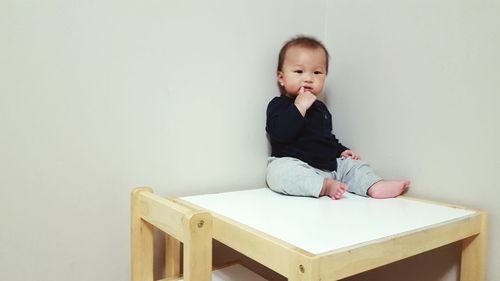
302,41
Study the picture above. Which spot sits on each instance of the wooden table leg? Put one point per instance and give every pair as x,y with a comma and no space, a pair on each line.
473,266
142,237
172,257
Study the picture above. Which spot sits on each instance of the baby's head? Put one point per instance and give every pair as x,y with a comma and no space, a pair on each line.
302,62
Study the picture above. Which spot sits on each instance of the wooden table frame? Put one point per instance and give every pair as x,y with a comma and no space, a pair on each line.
181,224
301,265
297,264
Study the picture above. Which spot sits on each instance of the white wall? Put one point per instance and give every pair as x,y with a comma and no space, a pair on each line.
415,88
97,97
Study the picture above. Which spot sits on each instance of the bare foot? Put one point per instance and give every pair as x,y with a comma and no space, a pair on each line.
334,189
388,188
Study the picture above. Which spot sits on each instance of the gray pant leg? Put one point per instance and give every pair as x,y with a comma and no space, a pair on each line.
291,176
357,174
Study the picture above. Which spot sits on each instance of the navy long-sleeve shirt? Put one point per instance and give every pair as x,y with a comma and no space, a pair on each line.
308,138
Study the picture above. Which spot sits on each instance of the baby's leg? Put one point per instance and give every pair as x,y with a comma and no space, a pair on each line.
388,188
358,175
291,176
333,189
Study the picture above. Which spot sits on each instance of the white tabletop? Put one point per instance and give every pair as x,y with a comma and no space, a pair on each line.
324,225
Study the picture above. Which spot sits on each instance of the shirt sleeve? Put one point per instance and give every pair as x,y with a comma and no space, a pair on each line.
341,147
284,121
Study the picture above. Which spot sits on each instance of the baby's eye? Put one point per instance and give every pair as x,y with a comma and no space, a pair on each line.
298,71
318,72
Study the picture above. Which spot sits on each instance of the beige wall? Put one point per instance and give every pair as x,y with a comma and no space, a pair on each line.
415,88
97,97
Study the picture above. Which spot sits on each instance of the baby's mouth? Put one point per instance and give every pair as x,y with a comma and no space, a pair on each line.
306,88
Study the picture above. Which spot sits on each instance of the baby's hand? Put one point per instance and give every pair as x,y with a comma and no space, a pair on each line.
351,154
304,100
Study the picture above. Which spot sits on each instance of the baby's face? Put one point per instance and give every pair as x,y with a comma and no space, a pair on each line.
303,67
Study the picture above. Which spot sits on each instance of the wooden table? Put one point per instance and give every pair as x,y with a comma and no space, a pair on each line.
322,239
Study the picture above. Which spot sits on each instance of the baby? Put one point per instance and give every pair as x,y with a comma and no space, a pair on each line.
307,159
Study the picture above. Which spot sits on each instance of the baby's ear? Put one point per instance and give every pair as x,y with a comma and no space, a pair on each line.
279,77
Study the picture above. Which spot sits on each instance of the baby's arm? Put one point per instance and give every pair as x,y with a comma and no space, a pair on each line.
284,120
352,154
304,101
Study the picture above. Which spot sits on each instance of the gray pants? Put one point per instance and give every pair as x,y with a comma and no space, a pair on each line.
294,177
